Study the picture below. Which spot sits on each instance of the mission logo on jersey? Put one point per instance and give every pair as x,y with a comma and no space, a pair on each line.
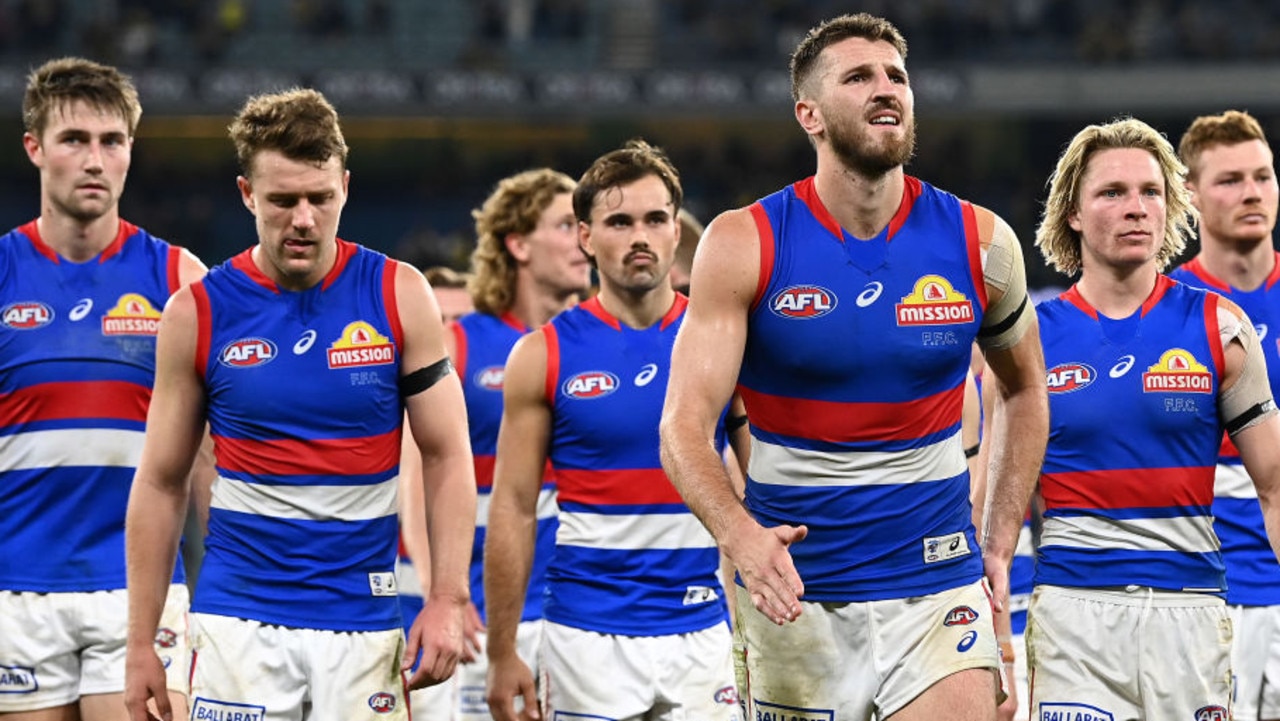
934,302
361,345
26,315
133,314
803,301
1177,371
1067,377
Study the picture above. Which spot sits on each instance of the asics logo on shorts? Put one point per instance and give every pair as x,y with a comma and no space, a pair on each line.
967,641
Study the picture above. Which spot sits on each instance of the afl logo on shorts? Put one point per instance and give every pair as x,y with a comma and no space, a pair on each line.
727,695
166,638
491,378
590,384
1212,713
382,702
960,616
1067,377
803,301
247,352
26,315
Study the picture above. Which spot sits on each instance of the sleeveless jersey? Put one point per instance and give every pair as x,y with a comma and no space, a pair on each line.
306,417
853,377
1127,479
77,362
630,557
1253,576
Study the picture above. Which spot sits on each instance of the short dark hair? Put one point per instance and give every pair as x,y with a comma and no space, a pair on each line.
66,80
635,160
299,123
830,32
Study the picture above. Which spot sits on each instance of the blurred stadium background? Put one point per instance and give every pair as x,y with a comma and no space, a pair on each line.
441,98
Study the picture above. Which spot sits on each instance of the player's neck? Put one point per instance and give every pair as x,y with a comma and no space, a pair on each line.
861,205
637,309
1243,265
1118,292
535,306
77,240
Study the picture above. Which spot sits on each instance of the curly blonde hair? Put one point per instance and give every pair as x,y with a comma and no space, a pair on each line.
514,206
1060,244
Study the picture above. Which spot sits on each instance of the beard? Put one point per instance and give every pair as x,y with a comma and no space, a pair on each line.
856,149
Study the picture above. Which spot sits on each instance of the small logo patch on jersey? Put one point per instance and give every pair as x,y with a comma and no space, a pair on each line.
305,341
26,315
590,384
727,695
1122,366
361,345
383,583
960,616
132,314
206,709
803,301
1261,330
945,548
382,702
1212,713
1073,712
166,638
1067,377
694,595
934,302
18,679
1177,371
491,378
247,352
646,374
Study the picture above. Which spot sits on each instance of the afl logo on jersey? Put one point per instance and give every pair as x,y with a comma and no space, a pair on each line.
26,315
934,301
1177,371
490,378
803,301
1067,377
589,385
247,352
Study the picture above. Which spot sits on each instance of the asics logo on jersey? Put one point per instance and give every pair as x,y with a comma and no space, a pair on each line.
1261,329
26,315
382,702
247,352
803,301
491,378
304,343
960,616
81,309
1068,377
1122,366
1212,713
589,385
870,295
646,374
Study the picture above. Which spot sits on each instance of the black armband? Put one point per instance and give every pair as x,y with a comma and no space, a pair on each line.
1007,323
972,450
1243,420
425,377
733,423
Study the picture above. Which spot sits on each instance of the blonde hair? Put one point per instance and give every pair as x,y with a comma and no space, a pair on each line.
1229,128
514,206
1060,243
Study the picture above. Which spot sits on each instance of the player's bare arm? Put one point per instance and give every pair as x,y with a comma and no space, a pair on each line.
1248,411
704,371
1010,340
159,496
512,530
438,423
